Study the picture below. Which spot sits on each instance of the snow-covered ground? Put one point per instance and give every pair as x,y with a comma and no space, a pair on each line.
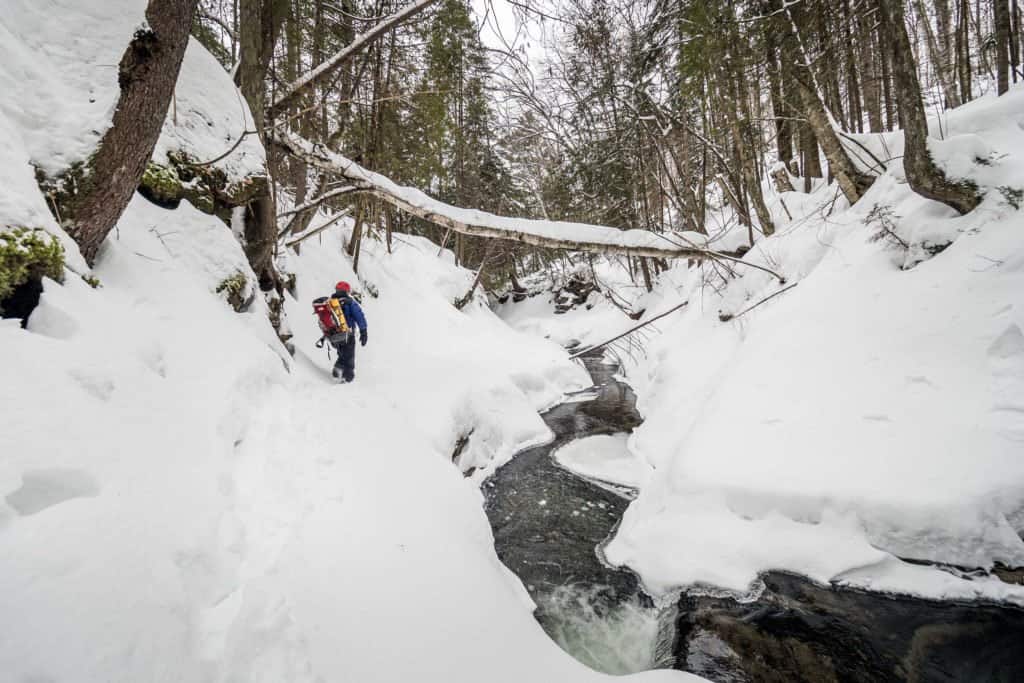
873,411
179,506
180,499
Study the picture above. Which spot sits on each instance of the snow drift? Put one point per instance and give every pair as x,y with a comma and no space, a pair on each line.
874,412
182,500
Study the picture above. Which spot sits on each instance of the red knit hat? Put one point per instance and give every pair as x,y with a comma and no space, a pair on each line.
343,287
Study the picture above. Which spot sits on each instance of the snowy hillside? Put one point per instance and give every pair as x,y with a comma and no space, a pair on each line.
869,412
181,500
196,509
186,497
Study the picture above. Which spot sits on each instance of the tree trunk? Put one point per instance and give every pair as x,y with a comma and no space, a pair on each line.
259,243
582,237
924,176
255,28
776,85
781,177
1001,14
732,200
938,62
646,270
357,227
147,74
963,50
869,73
852,77
885,73
1015,39
259,24
852,181
293,64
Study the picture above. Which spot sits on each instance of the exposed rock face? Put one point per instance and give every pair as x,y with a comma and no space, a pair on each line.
799,631
26,257
576,290
205,187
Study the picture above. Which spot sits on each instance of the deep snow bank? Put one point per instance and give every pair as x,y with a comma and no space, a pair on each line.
870,412
175,501
180,500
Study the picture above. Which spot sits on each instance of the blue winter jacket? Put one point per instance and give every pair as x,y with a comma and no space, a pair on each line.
353,312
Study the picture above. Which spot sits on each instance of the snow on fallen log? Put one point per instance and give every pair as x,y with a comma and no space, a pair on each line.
538,233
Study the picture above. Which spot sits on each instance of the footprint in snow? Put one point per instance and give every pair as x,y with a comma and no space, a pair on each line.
96,385
1008,347
42,489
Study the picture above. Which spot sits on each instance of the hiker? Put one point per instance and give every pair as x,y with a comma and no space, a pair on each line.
338,316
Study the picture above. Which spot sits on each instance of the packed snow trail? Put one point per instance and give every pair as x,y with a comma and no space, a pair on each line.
202,507
219,518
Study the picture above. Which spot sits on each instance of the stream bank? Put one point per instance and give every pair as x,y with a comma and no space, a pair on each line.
549,525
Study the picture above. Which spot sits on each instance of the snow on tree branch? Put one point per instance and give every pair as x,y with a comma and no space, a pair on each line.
539,233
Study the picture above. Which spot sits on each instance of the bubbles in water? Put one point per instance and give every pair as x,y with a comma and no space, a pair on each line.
606,635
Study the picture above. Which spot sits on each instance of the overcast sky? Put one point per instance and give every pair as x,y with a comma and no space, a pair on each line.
502,21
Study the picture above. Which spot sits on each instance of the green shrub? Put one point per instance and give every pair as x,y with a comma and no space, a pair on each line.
28,253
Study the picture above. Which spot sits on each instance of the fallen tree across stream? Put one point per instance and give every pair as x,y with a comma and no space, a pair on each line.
538,233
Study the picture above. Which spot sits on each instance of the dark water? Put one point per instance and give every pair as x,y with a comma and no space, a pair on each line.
547,521
549,525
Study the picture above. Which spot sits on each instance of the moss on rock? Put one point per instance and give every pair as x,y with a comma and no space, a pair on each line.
234,289
205,187
28,254
161,185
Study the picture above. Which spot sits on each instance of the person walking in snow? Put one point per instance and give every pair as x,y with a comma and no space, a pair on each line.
345,366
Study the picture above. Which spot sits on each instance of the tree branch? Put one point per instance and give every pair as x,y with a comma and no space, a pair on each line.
317,230
629,331
317,201
325,69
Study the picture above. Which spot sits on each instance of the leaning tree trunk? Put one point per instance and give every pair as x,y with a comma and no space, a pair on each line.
924,176
852,181
147,75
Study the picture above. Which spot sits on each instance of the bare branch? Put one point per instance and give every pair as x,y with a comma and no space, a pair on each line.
317,201
317,230
629,331
324,70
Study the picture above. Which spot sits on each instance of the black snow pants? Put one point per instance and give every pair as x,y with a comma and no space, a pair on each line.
345,366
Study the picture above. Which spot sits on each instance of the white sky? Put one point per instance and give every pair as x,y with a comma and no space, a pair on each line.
504,27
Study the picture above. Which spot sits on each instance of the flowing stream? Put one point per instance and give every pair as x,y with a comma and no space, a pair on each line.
549,525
